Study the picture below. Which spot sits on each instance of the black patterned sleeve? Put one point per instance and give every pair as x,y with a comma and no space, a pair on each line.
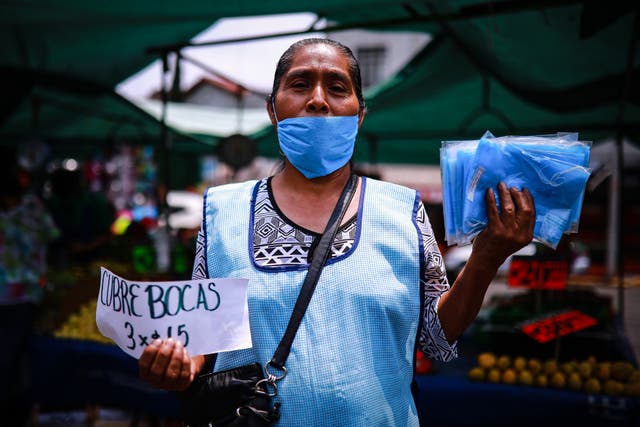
432,340
200,262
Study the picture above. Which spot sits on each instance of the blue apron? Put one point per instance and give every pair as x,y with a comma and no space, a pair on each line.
352,360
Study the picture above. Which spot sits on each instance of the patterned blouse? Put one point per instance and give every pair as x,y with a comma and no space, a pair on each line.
278,241
25,232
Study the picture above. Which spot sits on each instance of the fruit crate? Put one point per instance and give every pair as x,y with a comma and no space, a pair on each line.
498,328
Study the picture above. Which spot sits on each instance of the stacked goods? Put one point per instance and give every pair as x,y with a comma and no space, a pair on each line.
82,325
614,378
511,309
554,168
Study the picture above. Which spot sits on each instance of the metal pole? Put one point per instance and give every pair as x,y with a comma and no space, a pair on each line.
620,162
164,133
163,235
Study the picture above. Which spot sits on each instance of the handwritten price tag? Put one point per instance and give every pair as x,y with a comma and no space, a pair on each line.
538,273
207,316
565,323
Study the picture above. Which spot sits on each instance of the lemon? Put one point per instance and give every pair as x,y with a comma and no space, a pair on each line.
592,385
525,377
634,377
503,362
621,371
613,388
519,363
535,366
558,380
550,367
585,369
574,382
603,371
509,376
542,381
486,360
568,367
476,374
494,375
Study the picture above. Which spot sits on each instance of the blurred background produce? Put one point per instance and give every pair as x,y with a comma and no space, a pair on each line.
613,378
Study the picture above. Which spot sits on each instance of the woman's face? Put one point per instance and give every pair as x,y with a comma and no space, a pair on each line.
318,83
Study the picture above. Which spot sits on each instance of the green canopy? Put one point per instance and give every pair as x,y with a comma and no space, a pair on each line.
511,67
531,71
68,114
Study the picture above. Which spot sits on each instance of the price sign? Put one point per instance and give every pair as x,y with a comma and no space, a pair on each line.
560,324
207,316
538,272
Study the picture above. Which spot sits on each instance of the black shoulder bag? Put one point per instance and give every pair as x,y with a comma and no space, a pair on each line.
242,396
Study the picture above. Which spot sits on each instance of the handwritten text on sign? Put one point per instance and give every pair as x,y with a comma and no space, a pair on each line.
538,272
545,330
207,316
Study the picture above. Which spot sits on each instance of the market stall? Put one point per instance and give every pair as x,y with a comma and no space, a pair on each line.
74,373
476,74
75,370
538,357
70,374
442,397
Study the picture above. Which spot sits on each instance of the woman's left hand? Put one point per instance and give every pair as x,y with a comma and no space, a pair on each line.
510,229
506,232
166,364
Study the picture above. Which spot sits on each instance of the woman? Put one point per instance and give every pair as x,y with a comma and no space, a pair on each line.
26,230
384,290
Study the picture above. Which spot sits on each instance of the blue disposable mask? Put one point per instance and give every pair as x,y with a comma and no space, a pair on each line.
318,146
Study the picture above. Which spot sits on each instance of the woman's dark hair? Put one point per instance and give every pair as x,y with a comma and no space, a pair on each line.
284,64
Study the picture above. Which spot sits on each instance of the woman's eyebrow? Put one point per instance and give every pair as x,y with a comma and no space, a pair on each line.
307,73
339,75
304,73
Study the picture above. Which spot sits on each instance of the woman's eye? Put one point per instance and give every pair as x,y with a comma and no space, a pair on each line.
337,88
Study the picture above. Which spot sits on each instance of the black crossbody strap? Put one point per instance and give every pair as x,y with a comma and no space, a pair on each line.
321,254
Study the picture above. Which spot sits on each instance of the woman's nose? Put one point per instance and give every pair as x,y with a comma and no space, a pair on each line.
318,101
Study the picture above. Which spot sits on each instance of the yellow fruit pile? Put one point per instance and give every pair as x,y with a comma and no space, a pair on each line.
617,378
82,325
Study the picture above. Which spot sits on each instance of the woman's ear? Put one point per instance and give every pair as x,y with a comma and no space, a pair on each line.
361,115
272,115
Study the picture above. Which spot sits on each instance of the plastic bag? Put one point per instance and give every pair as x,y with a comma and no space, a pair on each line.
552,167
455,161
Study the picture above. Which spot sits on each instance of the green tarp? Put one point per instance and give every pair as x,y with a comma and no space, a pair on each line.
512,67
534,71
519,73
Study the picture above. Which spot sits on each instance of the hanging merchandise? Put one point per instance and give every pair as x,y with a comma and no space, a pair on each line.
554,168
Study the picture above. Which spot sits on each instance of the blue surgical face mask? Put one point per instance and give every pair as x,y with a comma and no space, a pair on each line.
317,146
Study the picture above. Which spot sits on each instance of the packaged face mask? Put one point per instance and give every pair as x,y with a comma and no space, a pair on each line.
455,162
552,167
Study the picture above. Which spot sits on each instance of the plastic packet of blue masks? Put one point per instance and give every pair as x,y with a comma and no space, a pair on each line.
563,147
552,167
455,161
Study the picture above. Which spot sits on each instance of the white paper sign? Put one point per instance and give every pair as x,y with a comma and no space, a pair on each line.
207,316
